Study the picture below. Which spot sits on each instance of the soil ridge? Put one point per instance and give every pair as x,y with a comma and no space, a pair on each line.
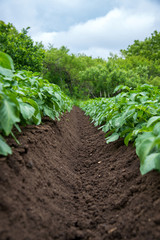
64,182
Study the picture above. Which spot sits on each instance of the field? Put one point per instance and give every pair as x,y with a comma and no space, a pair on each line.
65,182
79,142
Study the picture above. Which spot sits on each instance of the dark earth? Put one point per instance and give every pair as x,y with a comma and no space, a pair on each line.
64,182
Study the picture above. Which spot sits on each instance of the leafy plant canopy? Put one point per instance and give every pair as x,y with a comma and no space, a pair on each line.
24,99
133,115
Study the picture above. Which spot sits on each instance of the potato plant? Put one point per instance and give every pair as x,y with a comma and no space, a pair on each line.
24,99
133,115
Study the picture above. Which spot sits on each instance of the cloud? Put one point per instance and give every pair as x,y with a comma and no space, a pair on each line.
115,30
51,15
96,52
21,13
93,27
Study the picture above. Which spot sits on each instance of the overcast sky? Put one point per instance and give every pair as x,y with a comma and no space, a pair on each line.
93,27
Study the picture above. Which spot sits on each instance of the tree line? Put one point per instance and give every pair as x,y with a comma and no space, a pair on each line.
82,76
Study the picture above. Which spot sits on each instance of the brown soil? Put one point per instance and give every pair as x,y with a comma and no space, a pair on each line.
65,182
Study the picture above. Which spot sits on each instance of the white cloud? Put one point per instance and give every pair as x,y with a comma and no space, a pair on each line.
99,52
51,15
21,13
116,30
93,27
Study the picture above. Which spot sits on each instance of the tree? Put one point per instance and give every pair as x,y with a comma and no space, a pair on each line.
25,53
149,48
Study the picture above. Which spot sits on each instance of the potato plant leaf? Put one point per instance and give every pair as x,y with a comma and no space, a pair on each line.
6,61
153,120
27,110
49,112
4,148
144,148
133,115
8,115
6,72
152,162
112,138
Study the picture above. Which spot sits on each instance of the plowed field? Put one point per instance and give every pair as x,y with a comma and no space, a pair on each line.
64,182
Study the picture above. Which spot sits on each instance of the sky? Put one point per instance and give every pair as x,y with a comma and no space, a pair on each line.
92,27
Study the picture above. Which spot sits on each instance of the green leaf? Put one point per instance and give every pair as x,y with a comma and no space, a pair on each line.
151,162
4,148
153,120
128,138
37,118
6,72
109,133
32,103
144,148
6,61
112,138
121,87
58,95
27,110
156,129
118,121
49,112
8,115
105,128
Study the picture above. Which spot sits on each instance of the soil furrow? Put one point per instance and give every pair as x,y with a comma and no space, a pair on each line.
65,182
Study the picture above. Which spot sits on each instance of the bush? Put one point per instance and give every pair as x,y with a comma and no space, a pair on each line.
25,54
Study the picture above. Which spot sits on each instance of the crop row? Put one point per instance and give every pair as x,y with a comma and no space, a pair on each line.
133,115
24,99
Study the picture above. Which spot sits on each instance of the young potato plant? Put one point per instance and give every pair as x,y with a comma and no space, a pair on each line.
133,115
24,99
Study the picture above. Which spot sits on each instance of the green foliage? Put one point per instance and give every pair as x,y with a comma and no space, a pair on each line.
6,61
6,64
149,48
4,148
25,98
63,69
25,54
155,81
55,67
101,80
146,53
133,115
83,77
8,113
148,149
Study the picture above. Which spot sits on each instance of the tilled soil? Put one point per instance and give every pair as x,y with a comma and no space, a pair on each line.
64,182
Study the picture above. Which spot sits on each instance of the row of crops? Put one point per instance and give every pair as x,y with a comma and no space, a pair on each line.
24,99
133,115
